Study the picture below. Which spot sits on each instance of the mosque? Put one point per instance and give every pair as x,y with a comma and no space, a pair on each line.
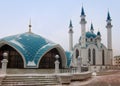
29,50
89,46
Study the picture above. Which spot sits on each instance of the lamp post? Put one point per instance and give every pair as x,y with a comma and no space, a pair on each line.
57,64
4,62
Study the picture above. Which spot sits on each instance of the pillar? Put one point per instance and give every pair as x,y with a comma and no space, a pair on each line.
57,64
4,63
79,62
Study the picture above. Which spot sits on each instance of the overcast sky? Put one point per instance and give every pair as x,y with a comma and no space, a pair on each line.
50,18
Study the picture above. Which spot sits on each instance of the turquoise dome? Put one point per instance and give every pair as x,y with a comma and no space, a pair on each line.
31,46
90,34
98,33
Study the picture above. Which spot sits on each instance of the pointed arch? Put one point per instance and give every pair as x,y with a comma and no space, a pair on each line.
48,60
94,57
15,60
57,49
77,53
89,54
103,57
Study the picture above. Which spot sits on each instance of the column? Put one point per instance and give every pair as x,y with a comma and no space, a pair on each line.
79,62
57,64
4,63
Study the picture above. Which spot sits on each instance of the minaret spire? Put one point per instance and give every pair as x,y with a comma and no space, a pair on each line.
108,17
70,25
91,28
82,12
30,26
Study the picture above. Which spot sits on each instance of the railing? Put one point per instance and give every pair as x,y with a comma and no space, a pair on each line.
68,70
73,70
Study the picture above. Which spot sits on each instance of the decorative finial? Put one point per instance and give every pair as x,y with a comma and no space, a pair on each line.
82,12
70,25
91,28
30,25
108,16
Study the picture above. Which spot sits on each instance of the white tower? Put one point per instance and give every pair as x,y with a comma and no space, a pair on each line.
70,37
109,37
83,28
83,38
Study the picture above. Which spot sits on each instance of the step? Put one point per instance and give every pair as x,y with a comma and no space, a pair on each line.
29,81
36,84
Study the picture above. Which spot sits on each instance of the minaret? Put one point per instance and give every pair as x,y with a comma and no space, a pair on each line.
83,28
30,26
109,31
91,28
70,36
109,36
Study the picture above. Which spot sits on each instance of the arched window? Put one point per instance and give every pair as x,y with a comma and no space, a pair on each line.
91,39
47,61
89,55
15,60
94,60
77,53
103,57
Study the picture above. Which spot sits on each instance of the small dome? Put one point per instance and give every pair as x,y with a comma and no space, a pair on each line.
98,33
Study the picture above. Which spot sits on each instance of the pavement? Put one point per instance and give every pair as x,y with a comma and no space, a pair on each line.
107,78
110,78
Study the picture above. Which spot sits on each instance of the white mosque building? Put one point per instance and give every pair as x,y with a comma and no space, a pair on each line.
89,46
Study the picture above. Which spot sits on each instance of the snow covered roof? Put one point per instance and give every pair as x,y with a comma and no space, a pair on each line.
31,46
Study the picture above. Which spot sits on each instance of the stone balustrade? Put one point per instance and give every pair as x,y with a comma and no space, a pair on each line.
66,78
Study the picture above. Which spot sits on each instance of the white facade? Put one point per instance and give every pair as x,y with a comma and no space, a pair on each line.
90,48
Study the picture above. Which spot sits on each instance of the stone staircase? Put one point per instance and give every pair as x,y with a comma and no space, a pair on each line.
29,80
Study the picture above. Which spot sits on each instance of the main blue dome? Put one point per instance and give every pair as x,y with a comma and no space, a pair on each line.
31,46
90,34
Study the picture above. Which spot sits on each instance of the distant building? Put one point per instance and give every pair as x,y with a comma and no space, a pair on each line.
116,60
89,46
